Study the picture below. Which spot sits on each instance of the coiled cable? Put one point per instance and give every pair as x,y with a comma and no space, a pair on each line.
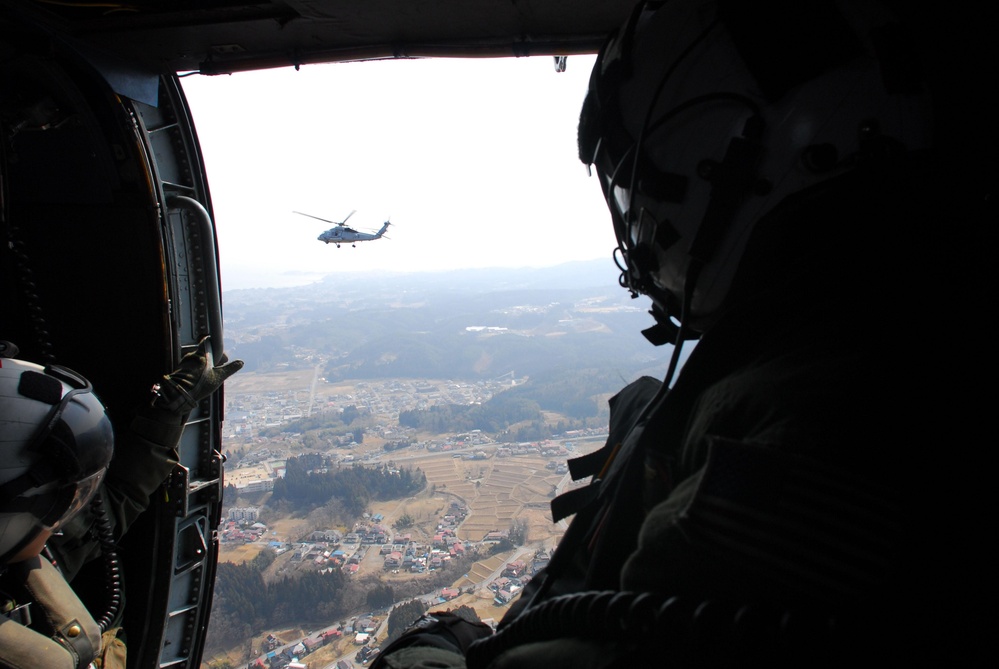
29,291
691,632
112,567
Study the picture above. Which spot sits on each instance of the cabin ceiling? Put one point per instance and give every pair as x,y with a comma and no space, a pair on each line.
219,36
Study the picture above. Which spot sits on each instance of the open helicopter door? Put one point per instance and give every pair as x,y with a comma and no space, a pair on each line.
109,267
179,589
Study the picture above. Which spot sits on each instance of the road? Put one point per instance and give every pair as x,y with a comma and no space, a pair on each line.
312,389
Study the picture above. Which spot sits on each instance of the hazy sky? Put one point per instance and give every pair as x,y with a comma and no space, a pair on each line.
474,161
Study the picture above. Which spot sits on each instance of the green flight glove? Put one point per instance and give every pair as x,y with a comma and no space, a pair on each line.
196,378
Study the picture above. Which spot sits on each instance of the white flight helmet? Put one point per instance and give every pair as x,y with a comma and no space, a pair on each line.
55,445
702,116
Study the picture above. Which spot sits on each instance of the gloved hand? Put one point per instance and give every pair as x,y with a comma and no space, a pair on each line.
440,629
196,378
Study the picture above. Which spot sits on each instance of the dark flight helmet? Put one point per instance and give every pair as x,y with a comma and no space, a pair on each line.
55,445
703,116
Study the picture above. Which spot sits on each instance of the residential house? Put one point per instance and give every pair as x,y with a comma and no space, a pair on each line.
393,560
331,635
515,569
329,536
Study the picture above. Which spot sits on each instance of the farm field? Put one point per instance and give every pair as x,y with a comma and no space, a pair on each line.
496,491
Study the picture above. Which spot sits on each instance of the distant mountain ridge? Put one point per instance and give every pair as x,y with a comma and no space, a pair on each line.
465,324
601,273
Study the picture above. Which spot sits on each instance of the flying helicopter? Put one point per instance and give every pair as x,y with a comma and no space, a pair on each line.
341,232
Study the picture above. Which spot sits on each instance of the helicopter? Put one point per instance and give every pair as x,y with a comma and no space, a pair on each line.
341,232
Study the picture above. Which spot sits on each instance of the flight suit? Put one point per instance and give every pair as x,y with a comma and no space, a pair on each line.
765,477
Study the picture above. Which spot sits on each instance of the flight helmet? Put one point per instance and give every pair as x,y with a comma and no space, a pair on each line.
55,444
703,116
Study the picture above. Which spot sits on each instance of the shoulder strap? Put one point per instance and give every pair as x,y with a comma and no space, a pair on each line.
71,624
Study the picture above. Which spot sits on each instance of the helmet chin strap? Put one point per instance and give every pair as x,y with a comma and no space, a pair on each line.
682,332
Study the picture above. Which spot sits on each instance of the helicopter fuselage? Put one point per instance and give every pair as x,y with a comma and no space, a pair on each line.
340,234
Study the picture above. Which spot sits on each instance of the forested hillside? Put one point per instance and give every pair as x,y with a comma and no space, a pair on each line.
245,603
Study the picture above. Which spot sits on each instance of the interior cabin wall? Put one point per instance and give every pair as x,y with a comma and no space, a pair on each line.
83,264
82,270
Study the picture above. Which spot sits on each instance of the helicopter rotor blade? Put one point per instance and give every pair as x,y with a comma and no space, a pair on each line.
348,216
316,217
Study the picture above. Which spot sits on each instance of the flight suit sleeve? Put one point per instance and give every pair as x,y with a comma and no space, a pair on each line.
145,455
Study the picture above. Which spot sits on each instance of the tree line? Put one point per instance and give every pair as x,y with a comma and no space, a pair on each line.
313,480
332,422
245,603
493,416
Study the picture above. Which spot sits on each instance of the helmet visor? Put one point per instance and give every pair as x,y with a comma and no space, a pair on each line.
70,500
52,505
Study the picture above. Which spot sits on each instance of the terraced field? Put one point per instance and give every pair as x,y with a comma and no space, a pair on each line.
495,490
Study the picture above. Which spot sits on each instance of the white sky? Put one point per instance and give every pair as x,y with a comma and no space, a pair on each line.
474,161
